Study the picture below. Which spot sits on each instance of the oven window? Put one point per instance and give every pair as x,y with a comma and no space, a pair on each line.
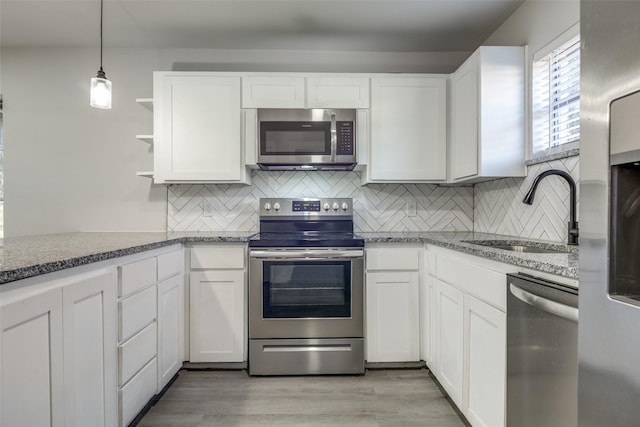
295,138
299,289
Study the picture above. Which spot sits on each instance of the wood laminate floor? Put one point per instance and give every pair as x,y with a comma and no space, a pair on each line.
395,397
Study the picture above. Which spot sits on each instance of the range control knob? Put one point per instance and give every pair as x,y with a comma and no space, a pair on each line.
276,206
336,206
267,206
345,206
326,206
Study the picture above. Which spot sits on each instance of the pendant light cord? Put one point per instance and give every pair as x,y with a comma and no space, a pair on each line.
101,11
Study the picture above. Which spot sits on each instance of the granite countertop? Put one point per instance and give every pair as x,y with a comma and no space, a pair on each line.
24,257
561,264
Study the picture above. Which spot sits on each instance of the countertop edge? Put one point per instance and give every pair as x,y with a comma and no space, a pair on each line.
8,276
26,272
569,272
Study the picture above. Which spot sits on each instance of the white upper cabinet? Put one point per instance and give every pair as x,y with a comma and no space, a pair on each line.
337,92
273,92
488,115
408,139
197,128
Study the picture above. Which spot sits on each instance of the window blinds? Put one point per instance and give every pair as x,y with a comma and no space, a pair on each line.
556,97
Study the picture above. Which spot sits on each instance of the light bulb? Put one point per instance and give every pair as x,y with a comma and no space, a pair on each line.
100,93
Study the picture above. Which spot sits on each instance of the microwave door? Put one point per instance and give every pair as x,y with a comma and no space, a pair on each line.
295,142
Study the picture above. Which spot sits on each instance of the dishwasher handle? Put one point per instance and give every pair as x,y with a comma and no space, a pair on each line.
544,304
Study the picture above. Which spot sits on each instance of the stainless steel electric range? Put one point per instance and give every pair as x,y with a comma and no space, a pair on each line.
306,283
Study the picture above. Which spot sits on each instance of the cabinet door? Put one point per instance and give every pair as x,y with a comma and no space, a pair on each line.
272,92
217,313
392,317
198,133
408,129
337,92
31,361
485,362
170,328
464,119
426,320
90,351
450,340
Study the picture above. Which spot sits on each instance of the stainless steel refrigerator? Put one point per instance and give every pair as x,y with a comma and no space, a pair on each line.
609,326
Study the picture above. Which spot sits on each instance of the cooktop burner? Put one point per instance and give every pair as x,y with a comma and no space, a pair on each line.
306,223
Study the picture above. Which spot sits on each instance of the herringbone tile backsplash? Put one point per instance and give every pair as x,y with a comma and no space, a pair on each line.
498,206
379,207
492,207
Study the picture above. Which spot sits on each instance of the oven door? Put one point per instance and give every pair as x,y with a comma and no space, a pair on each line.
312,293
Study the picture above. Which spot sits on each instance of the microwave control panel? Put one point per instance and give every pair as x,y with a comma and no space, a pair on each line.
345,138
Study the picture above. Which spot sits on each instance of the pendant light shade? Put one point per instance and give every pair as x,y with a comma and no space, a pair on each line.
100,91
100,86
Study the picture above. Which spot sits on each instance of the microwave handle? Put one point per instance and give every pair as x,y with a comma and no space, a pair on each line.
334,137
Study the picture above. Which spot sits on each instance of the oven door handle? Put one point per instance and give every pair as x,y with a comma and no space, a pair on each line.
306,254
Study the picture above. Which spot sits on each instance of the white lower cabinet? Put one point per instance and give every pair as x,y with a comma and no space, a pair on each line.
217,308
485,363
89,324
170,328
217,316
470,334
449,337
31,347
58,354
137,392
392,304
151,337
392,317
89,346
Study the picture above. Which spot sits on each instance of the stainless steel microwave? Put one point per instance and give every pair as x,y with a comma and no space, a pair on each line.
313,139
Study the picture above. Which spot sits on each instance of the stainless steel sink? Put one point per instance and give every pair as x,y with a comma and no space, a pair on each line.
522,247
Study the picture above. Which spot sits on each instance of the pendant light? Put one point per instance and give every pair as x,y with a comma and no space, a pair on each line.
100,85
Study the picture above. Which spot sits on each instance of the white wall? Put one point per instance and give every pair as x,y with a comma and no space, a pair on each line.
70,167
535,23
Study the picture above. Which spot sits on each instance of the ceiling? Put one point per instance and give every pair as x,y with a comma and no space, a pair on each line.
342,25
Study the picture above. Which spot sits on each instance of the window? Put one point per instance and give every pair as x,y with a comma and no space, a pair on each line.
556,96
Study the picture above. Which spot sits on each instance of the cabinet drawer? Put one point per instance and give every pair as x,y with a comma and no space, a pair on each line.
484,284
170,264
136,352
135,276
393,259
223,257
135,395
136,312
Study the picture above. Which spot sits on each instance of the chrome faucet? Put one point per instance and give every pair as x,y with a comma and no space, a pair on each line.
573,224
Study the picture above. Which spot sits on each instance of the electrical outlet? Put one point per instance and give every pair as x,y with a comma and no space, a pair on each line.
207,208
412,207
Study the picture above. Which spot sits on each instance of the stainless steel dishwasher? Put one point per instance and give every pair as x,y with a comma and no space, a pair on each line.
542,353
